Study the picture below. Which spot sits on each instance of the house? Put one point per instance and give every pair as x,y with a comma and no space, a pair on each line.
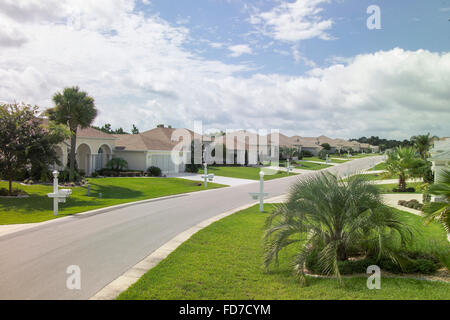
154,147
440,156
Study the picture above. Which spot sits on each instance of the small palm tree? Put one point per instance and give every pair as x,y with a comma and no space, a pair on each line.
336,219
73,108
403,161
423,143
440,209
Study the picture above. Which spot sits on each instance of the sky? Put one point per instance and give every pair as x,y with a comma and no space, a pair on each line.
305,67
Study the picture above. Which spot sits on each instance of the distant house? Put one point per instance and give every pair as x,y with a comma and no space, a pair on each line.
440,156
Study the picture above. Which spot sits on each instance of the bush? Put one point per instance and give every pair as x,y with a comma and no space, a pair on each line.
154,171
117,164
409,190
64,176
193,168
14,192
413,263
323,154
306,153
413,204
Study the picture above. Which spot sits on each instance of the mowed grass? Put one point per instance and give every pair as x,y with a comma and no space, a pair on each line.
251,173
387,188
377,176
225,261
38,207
324,161
311,166
380,166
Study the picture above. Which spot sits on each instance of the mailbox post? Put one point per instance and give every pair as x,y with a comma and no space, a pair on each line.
261,194
207,177
58,195
288,167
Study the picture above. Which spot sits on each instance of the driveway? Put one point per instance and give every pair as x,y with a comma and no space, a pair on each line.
218,179
34,261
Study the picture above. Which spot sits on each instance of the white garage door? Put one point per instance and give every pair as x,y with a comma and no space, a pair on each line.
165,163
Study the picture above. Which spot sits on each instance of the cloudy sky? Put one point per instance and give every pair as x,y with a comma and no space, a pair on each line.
306,67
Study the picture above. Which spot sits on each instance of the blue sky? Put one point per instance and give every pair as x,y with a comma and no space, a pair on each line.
305,67
411,25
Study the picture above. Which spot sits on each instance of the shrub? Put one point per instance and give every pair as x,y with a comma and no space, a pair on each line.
323,154
407,190
306,153
154,171
409,265
117,164
193,168
14,192
413,204
354,210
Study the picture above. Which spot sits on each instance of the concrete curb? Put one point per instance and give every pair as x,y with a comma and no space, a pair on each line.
123,282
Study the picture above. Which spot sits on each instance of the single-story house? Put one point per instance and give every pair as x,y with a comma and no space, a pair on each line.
440,156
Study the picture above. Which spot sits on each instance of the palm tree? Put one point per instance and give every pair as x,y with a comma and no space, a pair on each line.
423,144
73,108
440,209
403,161
334,218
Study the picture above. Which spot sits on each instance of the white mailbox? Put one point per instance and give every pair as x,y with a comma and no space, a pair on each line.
59,196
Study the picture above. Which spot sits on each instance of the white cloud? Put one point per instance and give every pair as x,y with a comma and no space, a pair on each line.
138,71
294,21
239,49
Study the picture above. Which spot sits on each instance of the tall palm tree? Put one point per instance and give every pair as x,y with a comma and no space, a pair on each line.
423,144
73,108
334,218
440,209
403,161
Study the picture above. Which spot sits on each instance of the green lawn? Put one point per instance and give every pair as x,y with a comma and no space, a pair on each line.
377,176
387,188
324,161
38,207
251,173
380,166
225,261
312,166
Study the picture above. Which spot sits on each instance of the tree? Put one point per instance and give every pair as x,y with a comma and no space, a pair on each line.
423,144
440,209
288,153
334,220
73,108
24,141
326,146
135,130
403,161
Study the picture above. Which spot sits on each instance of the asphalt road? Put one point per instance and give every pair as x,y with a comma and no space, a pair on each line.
33,262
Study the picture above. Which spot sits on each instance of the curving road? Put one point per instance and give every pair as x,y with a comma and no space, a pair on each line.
33,262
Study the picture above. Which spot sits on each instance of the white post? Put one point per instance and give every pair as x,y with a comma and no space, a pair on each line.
288,167
261,191
55,191
206,175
